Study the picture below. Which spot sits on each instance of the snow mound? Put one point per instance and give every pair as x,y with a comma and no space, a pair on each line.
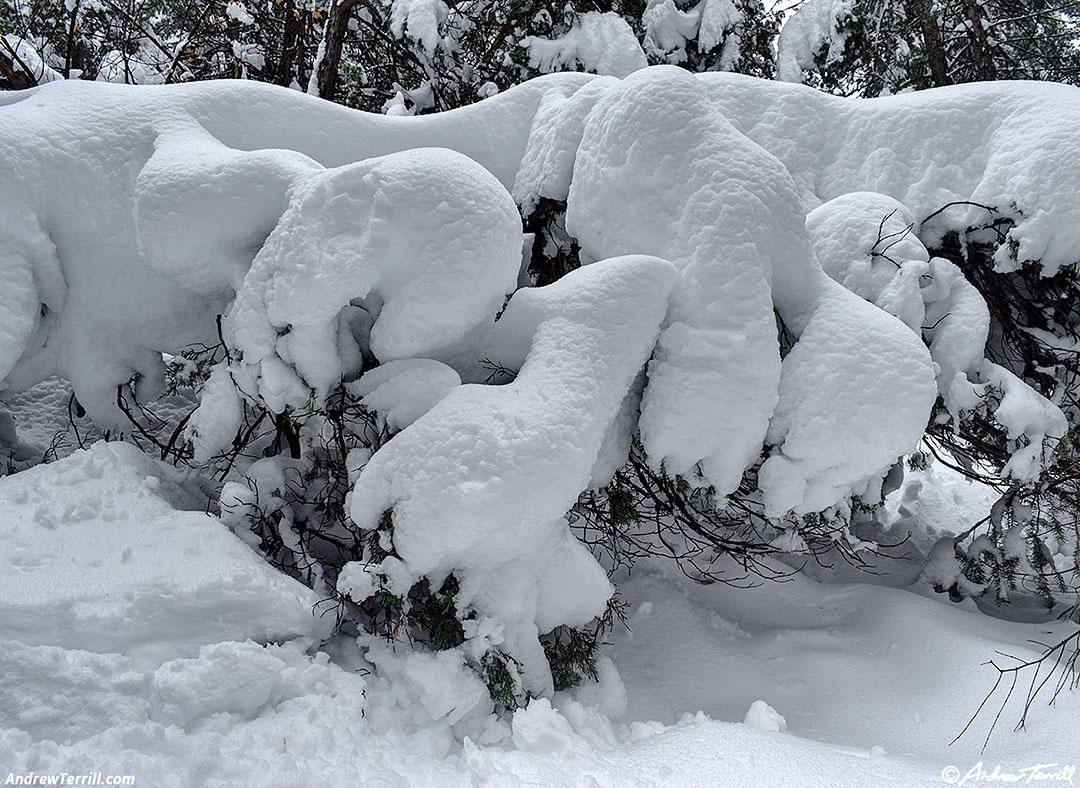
764,717
1008,146
643,181
426,241
461,481
97,558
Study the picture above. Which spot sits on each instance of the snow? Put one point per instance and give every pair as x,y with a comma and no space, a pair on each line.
440,242
238,11
403,391
717,18
715,379
764,717
599,42
25,52
668,29
872,684
1022,411
832,147
98,559
865,243
706,207
461,481
814,28
420,19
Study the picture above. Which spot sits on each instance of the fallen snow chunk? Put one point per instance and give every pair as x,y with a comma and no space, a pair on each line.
540,729
356,581
764,717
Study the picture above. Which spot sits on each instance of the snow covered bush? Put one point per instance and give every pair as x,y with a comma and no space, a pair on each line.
758,320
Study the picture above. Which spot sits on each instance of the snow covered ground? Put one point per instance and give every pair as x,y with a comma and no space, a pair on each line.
142,638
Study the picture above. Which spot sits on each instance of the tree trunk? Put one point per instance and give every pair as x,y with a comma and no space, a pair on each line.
931,36
981,58
11,76
288,44
72,23
337,25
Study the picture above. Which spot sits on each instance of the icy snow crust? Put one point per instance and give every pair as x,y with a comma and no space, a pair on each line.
325,237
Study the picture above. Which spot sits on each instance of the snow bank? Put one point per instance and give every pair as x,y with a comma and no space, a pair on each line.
330,239
97,558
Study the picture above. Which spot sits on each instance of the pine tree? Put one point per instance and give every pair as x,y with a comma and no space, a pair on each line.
876,47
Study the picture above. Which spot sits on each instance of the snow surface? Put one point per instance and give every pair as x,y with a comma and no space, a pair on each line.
97,558
872,682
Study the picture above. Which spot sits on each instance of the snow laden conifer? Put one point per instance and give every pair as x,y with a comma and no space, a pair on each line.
723,334
879,47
